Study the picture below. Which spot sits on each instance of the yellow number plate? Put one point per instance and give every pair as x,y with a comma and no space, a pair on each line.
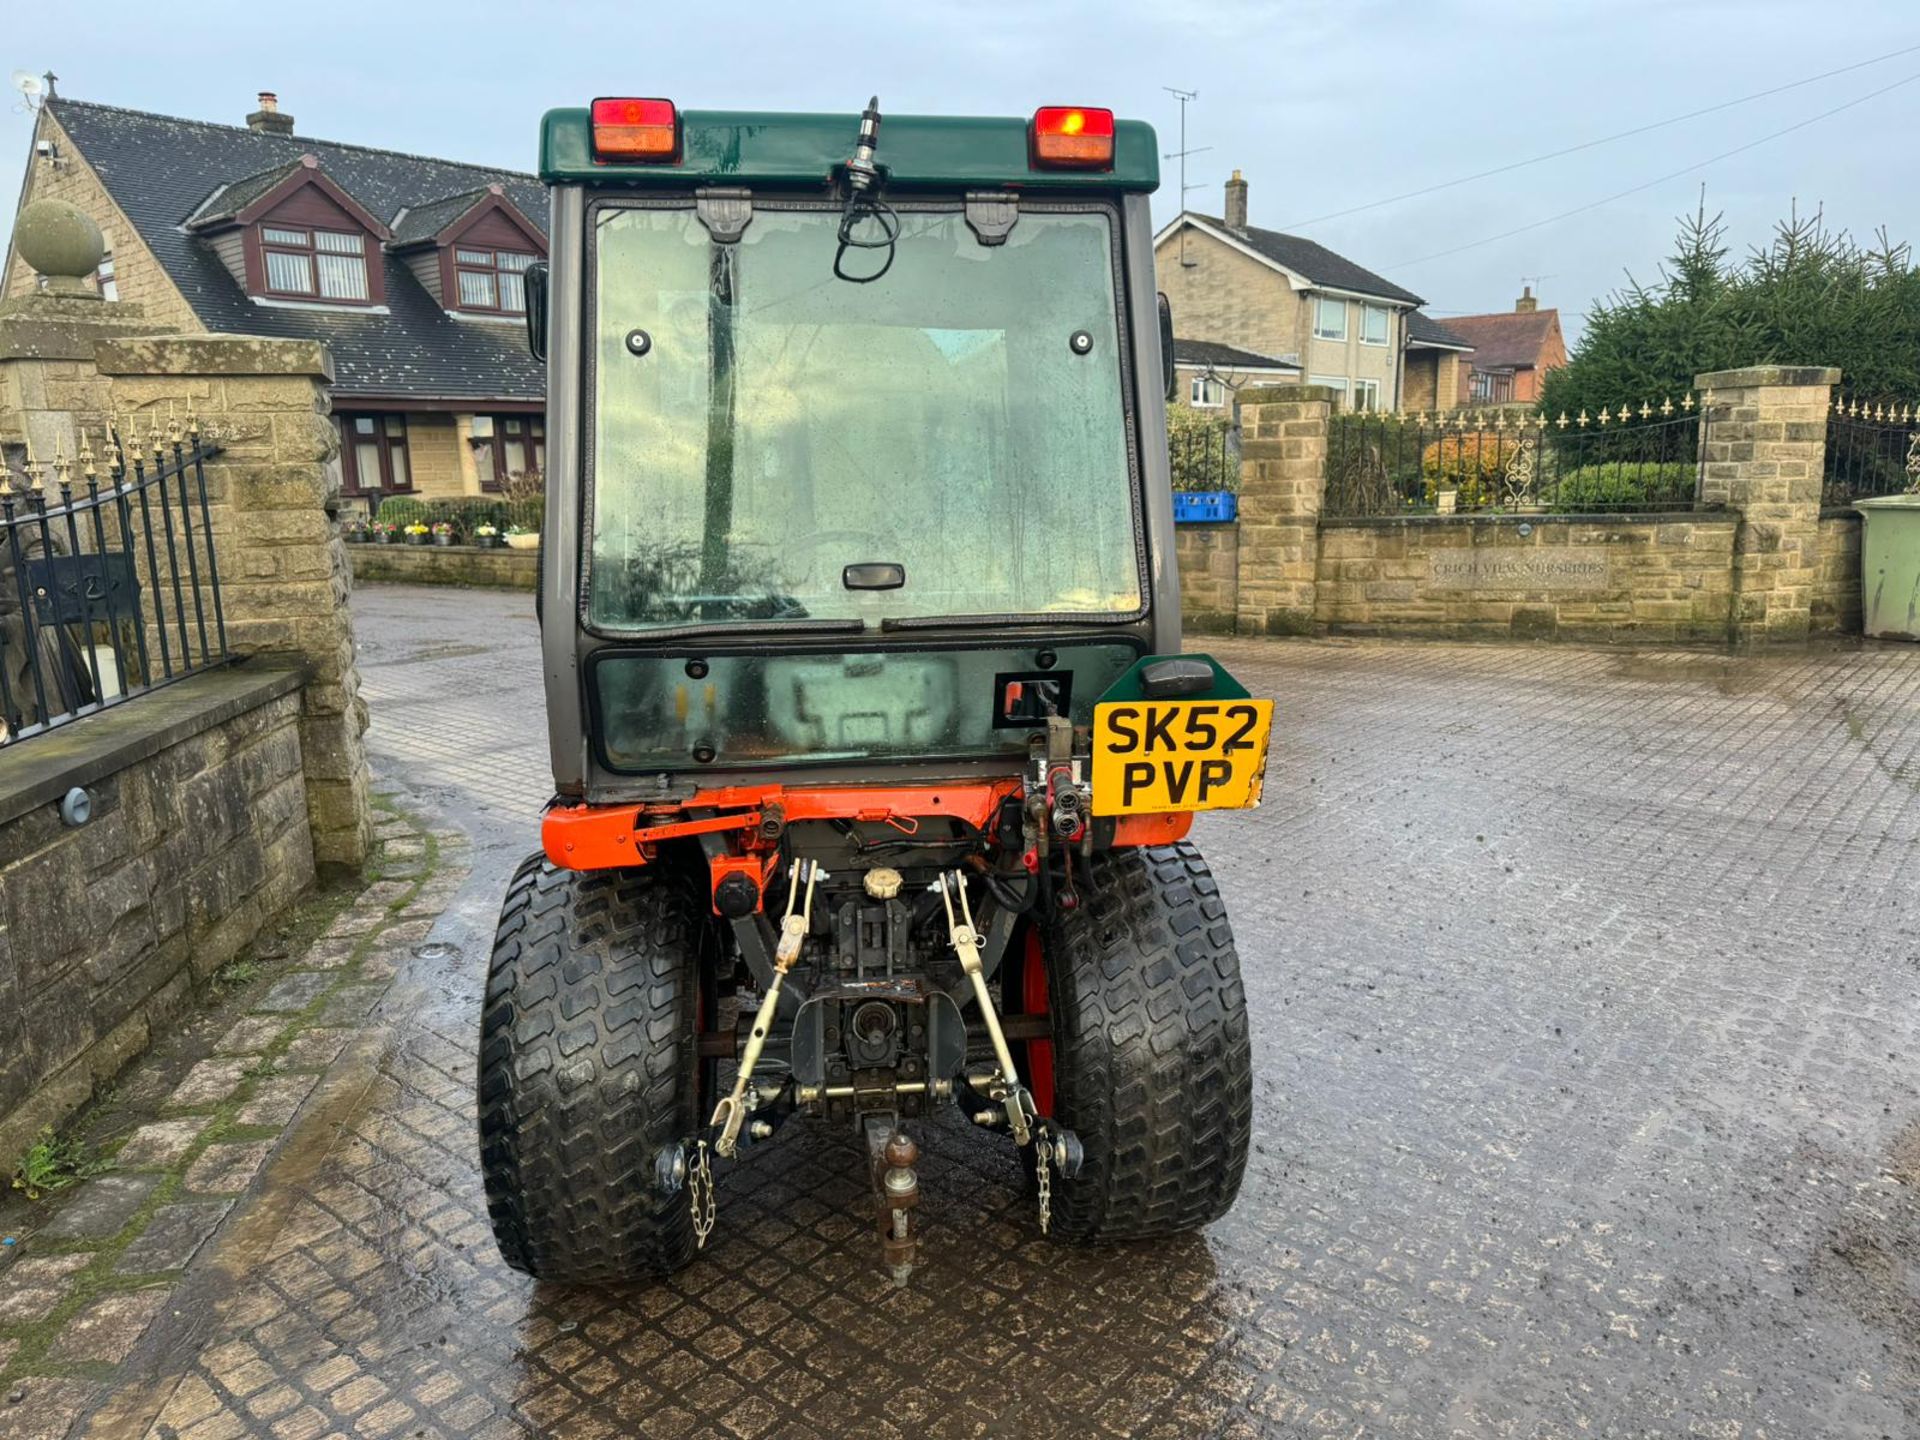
1151,756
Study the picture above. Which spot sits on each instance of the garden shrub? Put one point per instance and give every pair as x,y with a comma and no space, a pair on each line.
1201,451
1624,485
1472,462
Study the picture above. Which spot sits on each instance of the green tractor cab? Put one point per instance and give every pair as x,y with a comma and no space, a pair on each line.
874,749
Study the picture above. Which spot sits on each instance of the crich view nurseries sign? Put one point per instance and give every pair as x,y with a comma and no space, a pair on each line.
1503,568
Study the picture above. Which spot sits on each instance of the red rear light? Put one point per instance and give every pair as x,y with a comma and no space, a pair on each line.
1072,137
635,130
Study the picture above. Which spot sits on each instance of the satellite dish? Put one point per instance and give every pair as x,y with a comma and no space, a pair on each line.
30,86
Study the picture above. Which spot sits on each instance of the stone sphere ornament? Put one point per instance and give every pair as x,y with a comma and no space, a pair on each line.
59,241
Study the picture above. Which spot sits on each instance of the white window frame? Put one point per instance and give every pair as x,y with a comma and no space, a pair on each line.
1203,385
1365,396
1367,312
1320,304
103,280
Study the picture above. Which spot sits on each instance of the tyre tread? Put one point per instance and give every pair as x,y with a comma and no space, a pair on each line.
1153,1065
586,1071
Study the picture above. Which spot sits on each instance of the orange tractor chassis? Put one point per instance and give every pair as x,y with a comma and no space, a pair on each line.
612,837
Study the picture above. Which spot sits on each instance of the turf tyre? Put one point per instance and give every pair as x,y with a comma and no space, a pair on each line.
1152,1065
588,1069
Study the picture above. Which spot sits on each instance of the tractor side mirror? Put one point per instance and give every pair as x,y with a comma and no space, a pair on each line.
535,281
1166,344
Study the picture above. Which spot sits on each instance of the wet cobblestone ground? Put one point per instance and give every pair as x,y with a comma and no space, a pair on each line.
1585,991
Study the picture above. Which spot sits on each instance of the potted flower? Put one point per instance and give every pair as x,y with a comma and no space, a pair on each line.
417,533
353,530
520,539
487,537
443,533
380,532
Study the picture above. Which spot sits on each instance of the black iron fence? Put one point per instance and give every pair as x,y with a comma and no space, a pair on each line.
1872,449
1204,457
1636,459
109,584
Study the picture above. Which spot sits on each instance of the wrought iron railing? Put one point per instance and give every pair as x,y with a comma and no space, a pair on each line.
109,581
1204,458
1872,449
1638,459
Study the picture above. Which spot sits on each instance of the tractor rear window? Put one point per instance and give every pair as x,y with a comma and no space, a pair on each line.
956,429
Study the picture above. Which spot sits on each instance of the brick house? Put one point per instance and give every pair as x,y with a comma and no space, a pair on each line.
1437,365
408,268
1280,295
1512,352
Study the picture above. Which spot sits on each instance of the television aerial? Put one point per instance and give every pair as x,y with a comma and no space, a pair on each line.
31,88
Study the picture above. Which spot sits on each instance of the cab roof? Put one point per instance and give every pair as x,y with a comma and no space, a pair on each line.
916,151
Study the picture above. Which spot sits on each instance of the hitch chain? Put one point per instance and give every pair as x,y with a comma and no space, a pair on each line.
731,1113
1043,1180
701,1199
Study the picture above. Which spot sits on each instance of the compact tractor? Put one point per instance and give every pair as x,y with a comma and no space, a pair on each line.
874,748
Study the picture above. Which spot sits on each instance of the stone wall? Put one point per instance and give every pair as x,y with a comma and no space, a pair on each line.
197,840
448,565
1755,562
1224,295
1283,463
1528,577
1764,459
49,385
274,491
1209,557
1836,585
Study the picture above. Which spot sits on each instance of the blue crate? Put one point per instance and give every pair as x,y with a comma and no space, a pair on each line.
1193,507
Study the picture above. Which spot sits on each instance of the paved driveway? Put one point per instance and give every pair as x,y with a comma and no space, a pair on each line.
1585,993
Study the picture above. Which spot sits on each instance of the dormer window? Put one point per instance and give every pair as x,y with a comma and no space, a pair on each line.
315,264
492,279
292,236
470,252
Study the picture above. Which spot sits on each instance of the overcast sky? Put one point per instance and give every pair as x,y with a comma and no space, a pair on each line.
1324,106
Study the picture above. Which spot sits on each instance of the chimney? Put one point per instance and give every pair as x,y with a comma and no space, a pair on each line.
1236,203
1526,304
267,119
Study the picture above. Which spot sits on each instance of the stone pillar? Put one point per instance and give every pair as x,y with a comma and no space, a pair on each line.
1283,478
1765,460
48,384
284,576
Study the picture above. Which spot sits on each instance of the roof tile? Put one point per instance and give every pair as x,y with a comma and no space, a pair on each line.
1209,352
1506,341
160,168
1423,329
1313,260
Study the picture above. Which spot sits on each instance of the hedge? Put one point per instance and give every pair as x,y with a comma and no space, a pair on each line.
1625,485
